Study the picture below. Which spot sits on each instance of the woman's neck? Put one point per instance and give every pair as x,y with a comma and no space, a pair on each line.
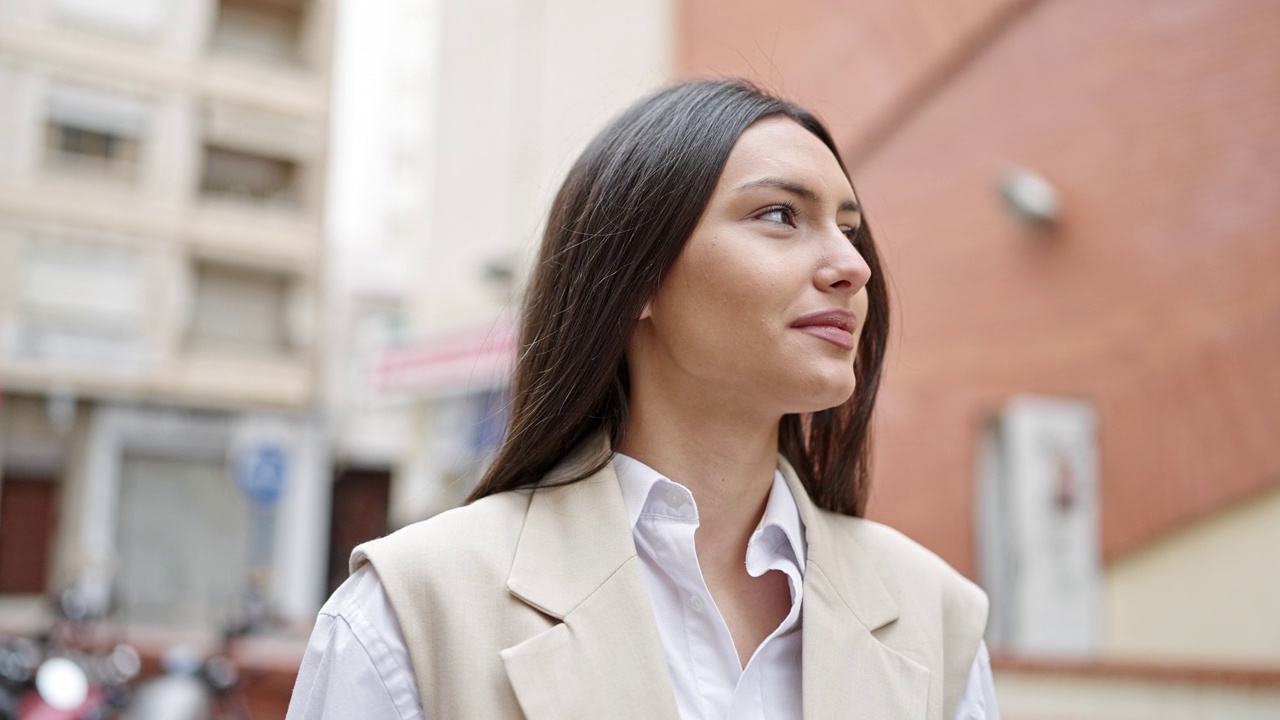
726,460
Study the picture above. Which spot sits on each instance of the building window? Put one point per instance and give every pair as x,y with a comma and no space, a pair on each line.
94,133
89,143
469,430
240,310
81,148
1038,529
83,284
261,30
251,177
129,19
83,303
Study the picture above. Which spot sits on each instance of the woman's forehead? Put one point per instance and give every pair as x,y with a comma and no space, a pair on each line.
777,147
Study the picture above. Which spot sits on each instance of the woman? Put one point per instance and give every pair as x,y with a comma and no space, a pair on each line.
702,343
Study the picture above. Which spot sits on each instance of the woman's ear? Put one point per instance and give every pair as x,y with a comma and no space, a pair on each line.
646,312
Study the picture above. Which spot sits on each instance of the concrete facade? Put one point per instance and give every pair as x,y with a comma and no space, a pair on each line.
161,255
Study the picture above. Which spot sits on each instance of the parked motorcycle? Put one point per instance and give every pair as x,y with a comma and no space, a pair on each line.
19,659
65,673
76,670
40,681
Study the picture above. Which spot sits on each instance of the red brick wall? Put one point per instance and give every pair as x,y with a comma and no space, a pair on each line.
848,60
1159,122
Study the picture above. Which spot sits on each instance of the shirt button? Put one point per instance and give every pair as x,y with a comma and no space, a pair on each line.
695,603
675,498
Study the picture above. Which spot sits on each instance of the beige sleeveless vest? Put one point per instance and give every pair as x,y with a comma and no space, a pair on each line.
532,604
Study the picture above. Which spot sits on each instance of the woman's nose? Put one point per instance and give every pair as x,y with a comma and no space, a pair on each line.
843,269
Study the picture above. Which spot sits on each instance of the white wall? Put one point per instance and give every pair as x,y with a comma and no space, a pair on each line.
524,84
1025,695
378,223
1208,593
453,124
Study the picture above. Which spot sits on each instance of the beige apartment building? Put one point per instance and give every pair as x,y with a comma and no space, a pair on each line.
162,169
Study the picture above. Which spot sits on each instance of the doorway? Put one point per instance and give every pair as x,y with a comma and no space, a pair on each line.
28,522
361,499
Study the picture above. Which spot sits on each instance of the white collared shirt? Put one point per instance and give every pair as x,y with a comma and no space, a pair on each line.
357,665
706,673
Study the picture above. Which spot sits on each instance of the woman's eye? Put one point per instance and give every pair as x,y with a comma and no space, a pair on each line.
780,215
854,234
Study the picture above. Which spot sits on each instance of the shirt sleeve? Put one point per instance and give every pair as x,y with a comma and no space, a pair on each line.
356,663
978,702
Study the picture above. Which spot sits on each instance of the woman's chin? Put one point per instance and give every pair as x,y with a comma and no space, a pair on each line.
826,394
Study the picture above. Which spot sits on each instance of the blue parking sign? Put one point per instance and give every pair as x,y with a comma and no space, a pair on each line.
261,471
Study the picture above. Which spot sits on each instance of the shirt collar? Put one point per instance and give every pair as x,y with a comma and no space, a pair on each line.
638,483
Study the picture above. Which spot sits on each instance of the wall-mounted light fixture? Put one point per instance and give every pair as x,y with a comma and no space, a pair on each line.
1030,197
500,271
501,276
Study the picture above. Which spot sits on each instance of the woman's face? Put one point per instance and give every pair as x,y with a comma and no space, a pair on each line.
764,306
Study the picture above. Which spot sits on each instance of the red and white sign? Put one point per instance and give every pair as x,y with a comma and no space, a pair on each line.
464,361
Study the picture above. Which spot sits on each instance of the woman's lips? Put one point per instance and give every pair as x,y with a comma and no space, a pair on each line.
834,335
835,326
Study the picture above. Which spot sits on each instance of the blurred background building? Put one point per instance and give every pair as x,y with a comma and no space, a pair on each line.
161,253
241,323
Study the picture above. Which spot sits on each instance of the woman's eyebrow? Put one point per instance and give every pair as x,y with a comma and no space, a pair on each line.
797,190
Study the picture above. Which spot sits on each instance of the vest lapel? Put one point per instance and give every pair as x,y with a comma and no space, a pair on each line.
576,562
847,671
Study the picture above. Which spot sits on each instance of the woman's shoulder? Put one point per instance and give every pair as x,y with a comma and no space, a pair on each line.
903,561
941,615
481,533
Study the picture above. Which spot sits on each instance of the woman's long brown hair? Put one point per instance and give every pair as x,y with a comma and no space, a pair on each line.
622,216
